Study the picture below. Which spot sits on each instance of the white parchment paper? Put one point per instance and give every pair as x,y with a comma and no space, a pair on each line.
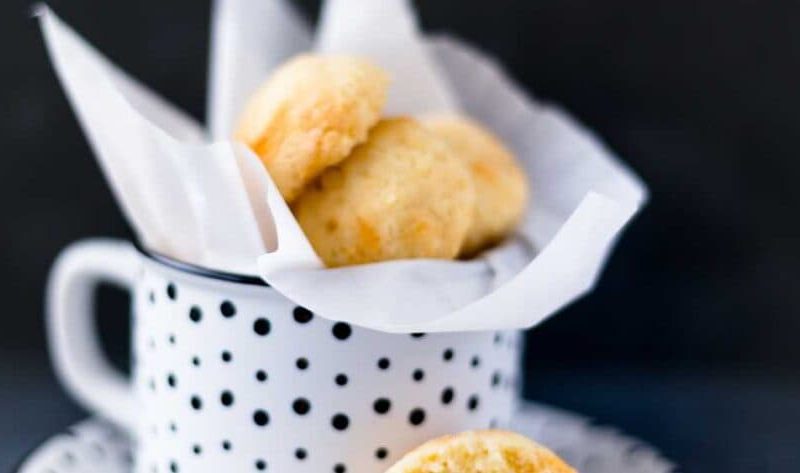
386,32
213,204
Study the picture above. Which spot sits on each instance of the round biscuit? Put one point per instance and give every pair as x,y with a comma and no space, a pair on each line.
401,194
500,182
485,451
310,114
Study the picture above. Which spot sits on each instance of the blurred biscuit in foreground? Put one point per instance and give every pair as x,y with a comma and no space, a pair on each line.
310,114
500,182
401,194
487,451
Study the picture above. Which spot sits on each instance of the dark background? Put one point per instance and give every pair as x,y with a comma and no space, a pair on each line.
690,340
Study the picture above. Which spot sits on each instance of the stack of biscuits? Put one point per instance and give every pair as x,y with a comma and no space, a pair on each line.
365,188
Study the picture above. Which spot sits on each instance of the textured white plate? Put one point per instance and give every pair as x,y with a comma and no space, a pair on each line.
93,446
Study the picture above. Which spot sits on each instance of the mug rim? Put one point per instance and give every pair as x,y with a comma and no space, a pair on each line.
198,270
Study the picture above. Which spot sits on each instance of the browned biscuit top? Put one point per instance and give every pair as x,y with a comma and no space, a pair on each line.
310,114
486,451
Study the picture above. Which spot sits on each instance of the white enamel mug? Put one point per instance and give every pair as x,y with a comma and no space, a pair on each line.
229,375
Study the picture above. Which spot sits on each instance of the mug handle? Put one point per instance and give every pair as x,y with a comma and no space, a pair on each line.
74,344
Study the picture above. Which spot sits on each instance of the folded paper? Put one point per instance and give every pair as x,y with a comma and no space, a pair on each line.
213,203
386,33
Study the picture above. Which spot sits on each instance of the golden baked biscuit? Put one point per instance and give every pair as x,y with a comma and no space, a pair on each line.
401,194
487,451
310,114
500,183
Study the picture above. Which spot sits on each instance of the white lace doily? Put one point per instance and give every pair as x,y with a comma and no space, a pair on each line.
93,446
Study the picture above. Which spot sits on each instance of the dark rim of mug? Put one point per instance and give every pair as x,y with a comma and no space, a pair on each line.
199,270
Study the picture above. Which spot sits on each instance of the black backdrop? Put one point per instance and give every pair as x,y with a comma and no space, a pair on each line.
691,338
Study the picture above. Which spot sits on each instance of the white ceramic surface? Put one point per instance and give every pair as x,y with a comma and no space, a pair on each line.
94,446
231,376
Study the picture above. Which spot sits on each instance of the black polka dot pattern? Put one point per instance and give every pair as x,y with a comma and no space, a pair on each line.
227,309
302,315
172,292
226,398
341,331
267,361
382,405
262,327
496,379
473,402
261,418
475,362
416,417
196,402
340,422
447,396
301,406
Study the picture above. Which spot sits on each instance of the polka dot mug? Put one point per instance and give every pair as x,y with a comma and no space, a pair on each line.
229,375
